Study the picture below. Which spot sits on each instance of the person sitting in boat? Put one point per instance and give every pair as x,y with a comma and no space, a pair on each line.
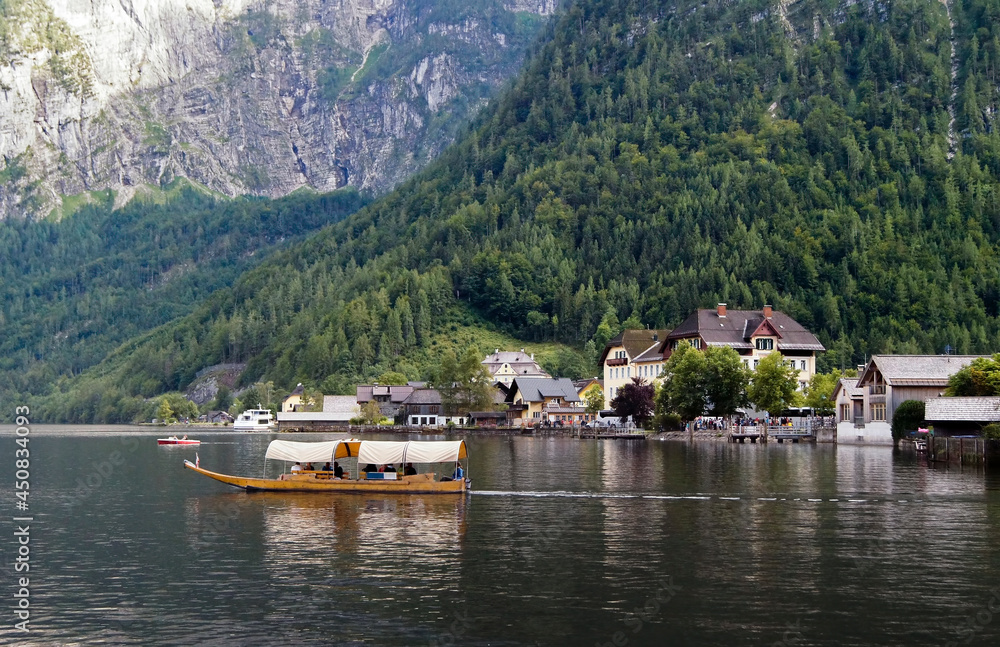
338,471
459,472
296,468
410,470
390,468
185,437
326,468
309,467
370,468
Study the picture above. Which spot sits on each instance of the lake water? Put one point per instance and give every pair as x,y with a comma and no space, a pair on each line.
564,542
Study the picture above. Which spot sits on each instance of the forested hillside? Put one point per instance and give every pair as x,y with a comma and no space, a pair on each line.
73,290
655,157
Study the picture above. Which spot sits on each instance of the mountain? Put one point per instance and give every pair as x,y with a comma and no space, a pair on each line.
836,159
241,96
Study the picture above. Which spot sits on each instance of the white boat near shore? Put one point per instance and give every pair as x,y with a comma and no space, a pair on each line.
258,419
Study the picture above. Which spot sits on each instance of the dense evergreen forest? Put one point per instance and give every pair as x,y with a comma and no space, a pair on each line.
834,159
73,290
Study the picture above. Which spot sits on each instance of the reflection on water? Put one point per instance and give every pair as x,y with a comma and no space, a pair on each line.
564,542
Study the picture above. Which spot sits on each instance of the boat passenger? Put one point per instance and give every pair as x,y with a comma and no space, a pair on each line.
309,467
326,468
370,468
338,471
390,468
410,470
296,468
459,472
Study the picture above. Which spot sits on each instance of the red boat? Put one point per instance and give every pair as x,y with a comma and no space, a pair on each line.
174,440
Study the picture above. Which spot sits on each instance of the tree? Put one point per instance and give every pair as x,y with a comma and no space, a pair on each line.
392,378
772,387
371,414
223,398
595,400
726,379
819,392
464,385
683,391
981,377
634,399
164,413
908,416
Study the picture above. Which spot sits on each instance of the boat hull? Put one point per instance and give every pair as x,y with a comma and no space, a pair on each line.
168,441
419,484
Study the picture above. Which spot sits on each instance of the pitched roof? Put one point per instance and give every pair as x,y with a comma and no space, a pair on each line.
848,386
424,396
520,362
736,327
635,342
915,370
536,389
340,404
298,390
978,409
397,394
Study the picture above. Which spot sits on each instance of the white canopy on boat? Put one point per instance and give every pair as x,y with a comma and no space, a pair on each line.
385,452
379,452
286,450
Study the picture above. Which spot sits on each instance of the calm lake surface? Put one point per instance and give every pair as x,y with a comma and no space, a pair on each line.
564,542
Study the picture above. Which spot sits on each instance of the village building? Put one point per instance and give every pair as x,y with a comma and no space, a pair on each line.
422,408
504,366
338,410
754,334
389,397
535,400
961,416
294,399
864,411
632,353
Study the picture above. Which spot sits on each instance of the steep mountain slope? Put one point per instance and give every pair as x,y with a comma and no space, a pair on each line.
242,96
653,158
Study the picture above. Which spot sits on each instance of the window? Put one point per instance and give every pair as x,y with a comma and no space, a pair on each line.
765,343
755,363
845,412
804,365
878,411
628,372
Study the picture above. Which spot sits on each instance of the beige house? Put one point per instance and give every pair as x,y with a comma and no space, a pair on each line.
865,410
543,400
633,353
754,334
294,399
504,366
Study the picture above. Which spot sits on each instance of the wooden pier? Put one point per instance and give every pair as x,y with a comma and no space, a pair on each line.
753,437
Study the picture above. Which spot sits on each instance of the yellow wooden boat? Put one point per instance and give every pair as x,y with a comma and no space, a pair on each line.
357,453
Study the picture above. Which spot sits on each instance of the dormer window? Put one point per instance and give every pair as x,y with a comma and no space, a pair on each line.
765,343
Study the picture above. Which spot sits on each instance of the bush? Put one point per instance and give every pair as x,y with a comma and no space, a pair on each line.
908,417
992,431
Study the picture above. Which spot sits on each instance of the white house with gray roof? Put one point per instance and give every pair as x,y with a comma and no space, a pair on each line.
504,366
886,382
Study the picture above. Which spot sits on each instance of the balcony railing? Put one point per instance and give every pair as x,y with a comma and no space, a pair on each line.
876,389
617,361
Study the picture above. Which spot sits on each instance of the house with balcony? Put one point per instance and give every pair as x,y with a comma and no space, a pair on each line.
632,353
754,334
543,401
504,366
390,397
865,410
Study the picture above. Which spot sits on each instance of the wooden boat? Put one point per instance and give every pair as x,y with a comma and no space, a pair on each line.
356,453
174,440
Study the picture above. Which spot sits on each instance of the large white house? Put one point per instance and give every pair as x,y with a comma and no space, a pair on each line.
505,366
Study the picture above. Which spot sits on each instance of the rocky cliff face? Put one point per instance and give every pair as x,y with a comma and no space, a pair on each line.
242,96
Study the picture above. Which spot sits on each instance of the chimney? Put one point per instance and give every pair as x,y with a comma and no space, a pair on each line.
767,312
721,310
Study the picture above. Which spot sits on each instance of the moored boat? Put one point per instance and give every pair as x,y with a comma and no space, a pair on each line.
174,440
258,419
357,453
